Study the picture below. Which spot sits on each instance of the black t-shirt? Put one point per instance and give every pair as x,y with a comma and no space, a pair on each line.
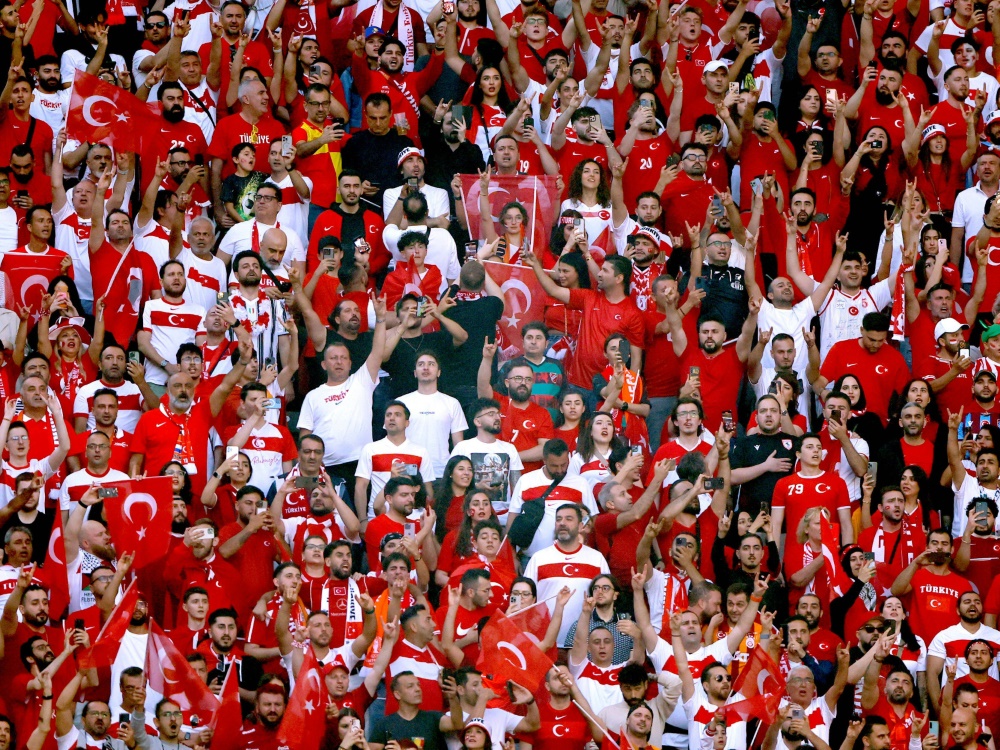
420,732
726,296
479,318
403,361
374,158
753,450
40,530
359,348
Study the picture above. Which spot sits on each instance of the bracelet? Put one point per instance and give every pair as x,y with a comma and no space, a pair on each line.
46,697
418,559
532,701
756,599
379,321
369,611
765,636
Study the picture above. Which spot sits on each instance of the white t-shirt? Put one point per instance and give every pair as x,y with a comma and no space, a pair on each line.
171,324
73,60
205,278
572,489
129,403
433,418
342,416
437,200
294,211
551,569
790,322
441,250
491,466
84,478
377,459
970,205
50,107
8,229
72,236
949,644
240,238
840,315
699,712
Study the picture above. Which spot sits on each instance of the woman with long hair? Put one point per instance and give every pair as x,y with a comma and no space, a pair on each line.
562,238
219,496
856,595
449,494
877,179
570,272
513,224
593,449
926,149
73,356
812,118
908,646
590,194
572,412
819,169
524,594
805,569
490,106
350,735
477,505
865,423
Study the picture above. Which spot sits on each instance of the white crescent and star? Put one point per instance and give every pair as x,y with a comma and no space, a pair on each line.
88,115
505,645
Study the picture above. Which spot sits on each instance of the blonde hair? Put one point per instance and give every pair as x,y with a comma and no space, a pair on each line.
802,533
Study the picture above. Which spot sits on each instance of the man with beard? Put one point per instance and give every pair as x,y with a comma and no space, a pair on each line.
184,175
979,656
222,652
914,448
194,562
951,644
167,323
179,429
893,702
158,47
949,372
260,730
634,683
174,130
591,139
50,101
894,540
200,98
523,423
447,150
812,242
496,463
319,629
260,314
642,144
882,110
701,708
350,221
823,643
689,188
88,547
22,513
28,186
400,493
336,593
132,397
984,485
26,616
720,368
458,621
330,514
374,151
251,543
752,559
96,722
206,274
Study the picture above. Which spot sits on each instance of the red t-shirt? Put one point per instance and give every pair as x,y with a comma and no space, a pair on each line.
933,601
256,55
156,435
797,494
14,131
235,129
644,164
681,198
756,157
955,395
574,152
880,374
524,427
721,375
255,559
600,319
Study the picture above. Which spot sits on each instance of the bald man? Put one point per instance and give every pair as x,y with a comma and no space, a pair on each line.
206,274
273,244
88,546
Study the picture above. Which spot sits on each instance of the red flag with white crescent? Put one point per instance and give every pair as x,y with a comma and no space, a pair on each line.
27,277
537,195
172,676
523,300
759,687
100,112
56,574
304,723
104,650
507,653
139,517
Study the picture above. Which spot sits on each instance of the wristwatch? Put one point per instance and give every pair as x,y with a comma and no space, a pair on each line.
164,364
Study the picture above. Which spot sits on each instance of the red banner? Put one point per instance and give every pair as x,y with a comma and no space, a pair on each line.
507,653
104,650
27,277
172,676
305,719
538,196
139,518
229,718
523,301
761,686
101,112
56,574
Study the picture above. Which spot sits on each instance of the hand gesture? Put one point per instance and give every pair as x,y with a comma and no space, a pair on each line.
489,350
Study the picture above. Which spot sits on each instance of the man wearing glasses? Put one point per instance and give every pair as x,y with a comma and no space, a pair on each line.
318,141
688,191
249,235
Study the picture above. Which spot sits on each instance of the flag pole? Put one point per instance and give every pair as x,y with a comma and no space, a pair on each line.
532,606
595,720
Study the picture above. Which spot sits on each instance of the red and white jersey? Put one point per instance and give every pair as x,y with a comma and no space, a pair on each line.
985,364
666,594
551,569
171,324
407,657
595,470
700,712
599,685
820,717
531,486
154,239
8,582
205,278
72,236
129,403
377,459
840,315
598,224
76,485
950,643
330,527
8,475
267,447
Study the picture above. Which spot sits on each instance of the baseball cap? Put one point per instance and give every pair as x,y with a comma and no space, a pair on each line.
390,537
406,153
930,131
716,65
948,325
993,117
478,722
648,232
371,31
987,373
990,333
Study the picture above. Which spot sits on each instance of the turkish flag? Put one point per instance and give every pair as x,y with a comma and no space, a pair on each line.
534,622
171,676
523,301
761,686
508,653
537,195
56,574
229,718
830,533
27,277
305,718
104,650
139,517
101,112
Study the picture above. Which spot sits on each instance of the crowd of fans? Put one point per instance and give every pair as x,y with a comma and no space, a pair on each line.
753,429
